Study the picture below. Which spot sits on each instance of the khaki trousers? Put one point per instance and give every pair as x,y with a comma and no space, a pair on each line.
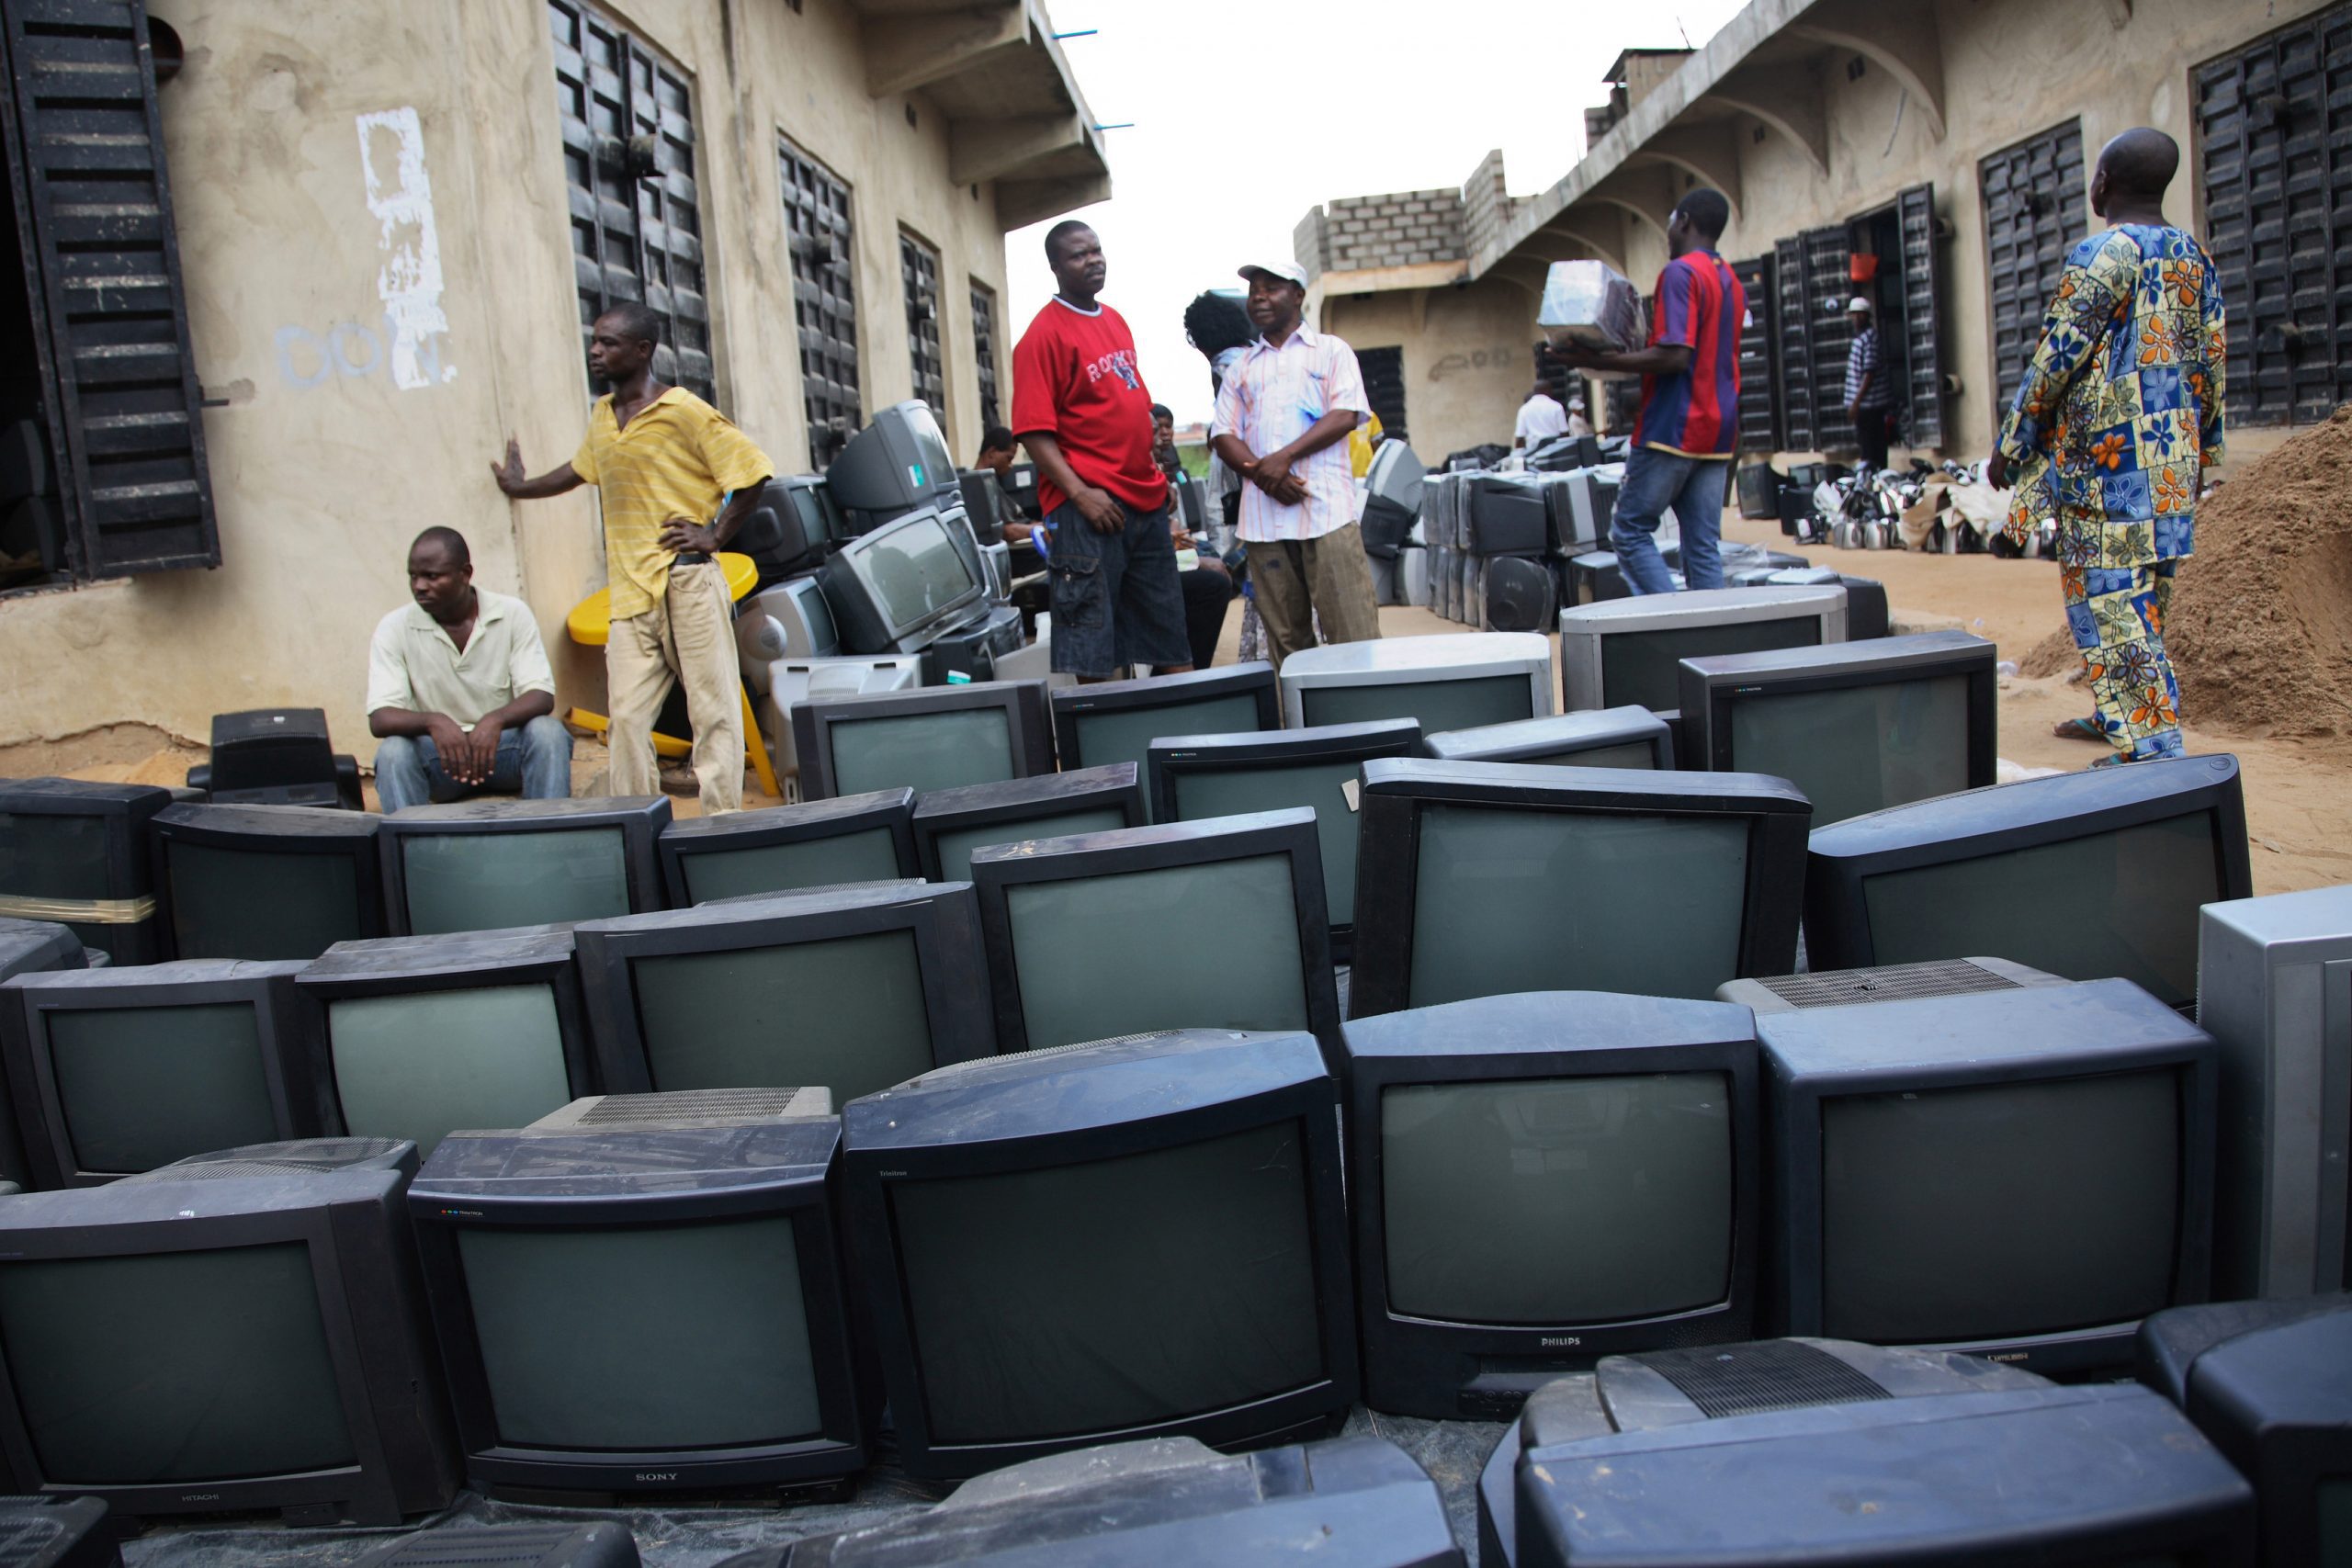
1297,583
688,636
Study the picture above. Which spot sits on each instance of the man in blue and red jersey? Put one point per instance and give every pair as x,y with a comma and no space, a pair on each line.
1689,426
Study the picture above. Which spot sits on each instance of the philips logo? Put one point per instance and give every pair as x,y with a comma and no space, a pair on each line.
1561,1341
657,1475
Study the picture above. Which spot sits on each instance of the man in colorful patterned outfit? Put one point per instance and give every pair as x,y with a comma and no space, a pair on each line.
2118,418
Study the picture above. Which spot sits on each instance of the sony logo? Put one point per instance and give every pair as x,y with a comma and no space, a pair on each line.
657,1475
1561,1341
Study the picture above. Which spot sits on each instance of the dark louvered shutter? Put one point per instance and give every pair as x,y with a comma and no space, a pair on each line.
2032,197
919,268
1914,212
1792,365
1759,422
984,353
824,299
102,267
1829,284
1384,388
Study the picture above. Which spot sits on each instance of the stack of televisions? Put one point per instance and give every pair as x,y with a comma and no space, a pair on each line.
563,1210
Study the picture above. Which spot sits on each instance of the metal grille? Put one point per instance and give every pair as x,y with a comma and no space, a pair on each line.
1893,983
697,1106
919,268
1759,412
1791,366
1384,388
984,353
2274,121
2032,195
628,162
1829,284
1915,211
1775,1374
824,299
32,1534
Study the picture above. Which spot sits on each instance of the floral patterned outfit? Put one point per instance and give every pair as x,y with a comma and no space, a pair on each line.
2116,421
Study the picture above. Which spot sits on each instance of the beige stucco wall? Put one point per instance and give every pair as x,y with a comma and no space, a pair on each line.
1469,356
322,472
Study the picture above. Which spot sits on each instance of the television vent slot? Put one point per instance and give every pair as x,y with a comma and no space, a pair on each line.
510,1546
1746,1380
27,1538
676,1106
1890,982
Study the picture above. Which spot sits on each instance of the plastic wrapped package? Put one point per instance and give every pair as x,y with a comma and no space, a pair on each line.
1589,304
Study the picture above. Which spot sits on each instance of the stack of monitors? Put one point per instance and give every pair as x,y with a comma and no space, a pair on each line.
1455,681
851,838
266,882
951,824
937,738
1628,737
1116,721
76,852
494,865
1627,650
852,989
1140,1238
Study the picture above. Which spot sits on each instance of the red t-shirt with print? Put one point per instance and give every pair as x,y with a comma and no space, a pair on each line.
1074,378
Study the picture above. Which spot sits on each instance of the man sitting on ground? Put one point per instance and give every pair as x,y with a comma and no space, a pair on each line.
459,691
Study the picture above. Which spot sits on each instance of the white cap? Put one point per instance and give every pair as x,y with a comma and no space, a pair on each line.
1289,272
1857,303
1576,403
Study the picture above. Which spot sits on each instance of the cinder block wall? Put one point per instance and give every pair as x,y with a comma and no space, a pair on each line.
1408,228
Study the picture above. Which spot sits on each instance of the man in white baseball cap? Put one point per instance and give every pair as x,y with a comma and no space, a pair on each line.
1869,400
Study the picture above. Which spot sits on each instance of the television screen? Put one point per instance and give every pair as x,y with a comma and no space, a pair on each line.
916,572
871,855
923,750
956,844
469,882
142,1086
1862,748
1319,786
252,903
1463,703
421,1063
1642,667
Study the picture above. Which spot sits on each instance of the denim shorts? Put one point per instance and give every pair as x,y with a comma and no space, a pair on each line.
1116,600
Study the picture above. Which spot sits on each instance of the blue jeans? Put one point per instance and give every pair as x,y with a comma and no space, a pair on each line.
1694,488
533,762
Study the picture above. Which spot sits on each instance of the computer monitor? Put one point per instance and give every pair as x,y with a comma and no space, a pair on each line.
1440,682
1544,1179
895,589
851,838
1858,726
1194,777
852,988
117,1071
2085,874
1628,737
1626,650
75,852
1116,721
495,864
2270,1384
896,464
937,738
33,947
2274,987
425,1035
1019,483
1141,1239
266,882
644,1311
1245,890
1477,879
2023,1173
197,1341
950,824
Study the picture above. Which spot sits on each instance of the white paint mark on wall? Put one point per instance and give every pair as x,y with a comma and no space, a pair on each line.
391,155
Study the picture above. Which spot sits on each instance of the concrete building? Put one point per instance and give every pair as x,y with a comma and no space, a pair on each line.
293,302
1943,147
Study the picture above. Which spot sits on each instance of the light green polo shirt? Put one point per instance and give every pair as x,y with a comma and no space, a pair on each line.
412,664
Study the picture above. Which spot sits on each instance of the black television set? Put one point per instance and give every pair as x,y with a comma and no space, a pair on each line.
937,738
898,588
2022,1173
1249,889
1821,1451
1541,1180
75,852
33,947
2270,1383
497,863
851,838
1628,737
117,1071
648,1310
1483,878
2086,874
851,988
1139,1239
242,1335
266,882
427,1035
1858,726
899,462
950,824
1198,777
1116,721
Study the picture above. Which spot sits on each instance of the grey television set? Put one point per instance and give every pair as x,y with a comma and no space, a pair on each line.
1627,737
1452,682
1628,651
898,588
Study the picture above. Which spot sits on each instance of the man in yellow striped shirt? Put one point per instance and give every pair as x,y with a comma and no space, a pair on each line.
663,458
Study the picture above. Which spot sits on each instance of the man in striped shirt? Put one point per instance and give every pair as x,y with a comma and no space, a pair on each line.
1868,398
1283,418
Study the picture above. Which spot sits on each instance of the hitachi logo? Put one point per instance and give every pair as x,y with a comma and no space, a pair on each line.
1562,1341
199,1496
657,1475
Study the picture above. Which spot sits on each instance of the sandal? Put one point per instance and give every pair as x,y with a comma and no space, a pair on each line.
2078,730
2115,759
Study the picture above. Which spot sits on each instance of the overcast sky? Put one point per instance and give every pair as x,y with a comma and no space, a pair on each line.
1248,112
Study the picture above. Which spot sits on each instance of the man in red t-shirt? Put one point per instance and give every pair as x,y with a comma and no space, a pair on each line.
1079,404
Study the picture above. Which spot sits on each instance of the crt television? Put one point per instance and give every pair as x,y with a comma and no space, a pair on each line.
1116,721
1139,1238
227,1340
1249,889
2023,1174
655,1309
1626,650
950,824
494,863
933,739
426,1034
75,852
1477,879
894,590
117,1071
1858,726
897,463
1454,682
266,881
1628,737
1544,1179
852,988
2085,874
29,947
1394,489
852,838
